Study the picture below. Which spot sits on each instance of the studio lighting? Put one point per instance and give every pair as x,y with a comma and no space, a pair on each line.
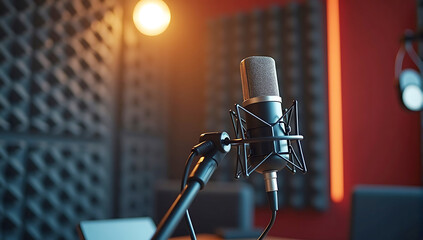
411,90
151,17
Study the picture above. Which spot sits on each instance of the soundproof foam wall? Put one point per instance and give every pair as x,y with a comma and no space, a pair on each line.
78,137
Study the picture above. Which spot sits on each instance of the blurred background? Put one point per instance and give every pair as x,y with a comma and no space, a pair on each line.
93,113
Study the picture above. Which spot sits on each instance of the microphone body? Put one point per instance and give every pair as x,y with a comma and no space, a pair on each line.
270,112
261,98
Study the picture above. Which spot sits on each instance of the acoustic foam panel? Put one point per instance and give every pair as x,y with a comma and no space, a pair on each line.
143,115
59,104
72,67
15,60
142,165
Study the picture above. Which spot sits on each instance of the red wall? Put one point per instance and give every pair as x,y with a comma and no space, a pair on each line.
381,140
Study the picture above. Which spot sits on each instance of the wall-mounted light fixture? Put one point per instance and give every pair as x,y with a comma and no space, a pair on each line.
410,84
335,102
151,17
411,91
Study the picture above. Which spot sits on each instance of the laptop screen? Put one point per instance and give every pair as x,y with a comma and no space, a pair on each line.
113,229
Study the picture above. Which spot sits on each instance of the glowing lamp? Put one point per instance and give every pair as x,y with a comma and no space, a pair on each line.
335,102
151,17
411,90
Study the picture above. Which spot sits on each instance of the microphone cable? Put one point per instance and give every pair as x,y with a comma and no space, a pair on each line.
269,226
272,196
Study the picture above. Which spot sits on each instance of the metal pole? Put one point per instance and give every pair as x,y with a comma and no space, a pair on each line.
176,211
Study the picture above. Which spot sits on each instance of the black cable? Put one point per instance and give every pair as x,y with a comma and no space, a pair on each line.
269,226
186,170
190,226
199,149
272,197
183,183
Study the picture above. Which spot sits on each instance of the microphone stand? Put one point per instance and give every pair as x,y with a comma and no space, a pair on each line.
199,177
214,146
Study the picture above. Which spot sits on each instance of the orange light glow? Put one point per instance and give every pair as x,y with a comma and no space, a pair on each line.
151,17
335,102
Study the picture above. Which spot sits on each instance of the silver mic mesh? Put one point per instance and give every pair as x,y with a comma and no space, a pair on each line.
258,76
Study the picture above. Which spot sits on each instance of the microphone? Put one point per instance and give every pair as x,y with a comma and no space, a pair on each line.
261,98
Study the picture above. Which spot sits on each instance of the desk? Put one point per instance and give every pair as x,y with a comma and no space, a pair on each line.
214,237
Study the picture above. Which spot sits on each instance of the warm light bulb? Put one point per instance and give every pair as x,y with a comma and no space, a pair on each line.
151,17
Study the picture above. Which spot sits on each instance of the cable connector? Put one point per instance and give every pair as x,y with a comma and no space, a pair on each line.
212,141
203,148
271,182
273,200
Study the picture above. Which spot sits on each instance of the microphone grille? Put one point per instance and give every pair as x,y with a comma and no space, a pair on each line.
258,76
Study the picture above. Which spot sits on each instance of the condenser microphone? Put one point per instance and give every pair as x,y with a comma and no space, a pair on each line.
261,98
